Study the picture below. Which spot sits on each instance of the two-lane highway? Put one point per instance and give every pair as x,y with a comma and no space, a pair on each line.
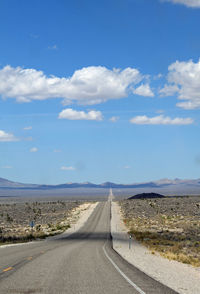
83,262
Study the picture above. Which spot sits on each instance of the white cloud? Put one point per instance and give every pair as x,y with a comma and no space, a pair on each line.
169,90
114,119
80,115
57,150
34,149
66,102
28,128
7,166
144,90
67,168
7,137
160,120
188,3
184,79
54,47
158,76
89,85
160,111
127,167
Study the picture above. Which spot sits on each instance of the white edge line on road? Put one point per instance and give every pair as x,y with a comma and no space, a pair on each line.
121,273
18,244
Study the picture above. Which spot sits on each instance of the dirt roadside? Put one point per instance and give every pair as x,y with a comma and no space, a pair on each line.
182,278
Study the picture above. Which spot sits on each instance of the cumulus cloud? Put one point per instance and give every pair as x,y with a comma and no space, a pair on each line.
54,47
28,128
7,166
158,76
188,3
160,120
169,90
34,149
67,168
127,167
160,111
184,80
114,119
7,137
71,114
144,90
89,85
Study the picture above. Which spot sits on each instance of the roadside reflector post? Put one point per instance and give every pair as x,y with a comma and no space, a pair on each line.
32,224
130,238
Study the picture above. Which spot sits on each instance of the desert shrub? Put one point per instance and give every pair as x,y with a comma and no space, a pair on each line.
9,218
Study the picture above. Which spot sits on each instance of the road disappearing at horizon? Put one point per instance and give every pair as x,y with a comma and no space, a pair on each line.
83,262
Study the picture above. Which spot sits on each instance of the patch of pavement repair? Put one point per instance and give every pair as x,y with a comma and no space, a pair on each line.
180,277
78,218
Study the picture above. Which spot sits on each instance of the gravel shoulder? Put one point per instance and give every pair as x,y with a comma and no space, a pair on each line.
182,278
78,219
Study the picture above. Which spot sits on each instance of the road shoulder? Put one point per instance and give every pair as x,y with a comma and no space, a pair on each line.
79,218
180,277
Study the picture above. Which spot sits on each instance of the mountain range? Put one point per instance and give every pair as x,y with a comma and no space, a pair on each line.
163,183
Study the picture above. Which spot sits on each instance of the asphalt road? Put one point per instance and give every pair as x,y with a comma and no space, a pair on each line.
83,262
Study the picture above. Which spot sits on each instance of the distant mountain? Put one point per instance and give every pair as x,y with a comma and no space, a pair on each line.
4,183
163,183
68,185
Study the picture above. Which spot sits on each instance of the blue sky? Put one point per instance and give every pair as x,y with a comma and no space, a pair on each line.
99,90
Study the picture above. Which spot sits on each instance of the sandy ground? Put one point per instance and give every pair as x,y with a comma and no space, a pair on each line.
79,216
181,277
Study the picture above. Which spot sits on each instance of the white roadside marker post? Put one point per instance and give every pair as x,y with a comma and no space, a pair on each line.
130,238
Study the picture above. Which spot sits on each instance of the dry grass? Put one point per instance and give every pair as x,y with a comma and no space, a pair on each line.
30,236
174,234
171,246
50,218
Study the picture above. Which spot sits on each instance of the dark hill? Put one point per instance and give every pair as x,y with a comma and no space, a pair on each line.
147,196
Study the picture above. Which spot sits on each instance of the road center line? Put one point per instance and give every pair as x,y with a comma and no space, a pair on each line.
121,273
7,269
